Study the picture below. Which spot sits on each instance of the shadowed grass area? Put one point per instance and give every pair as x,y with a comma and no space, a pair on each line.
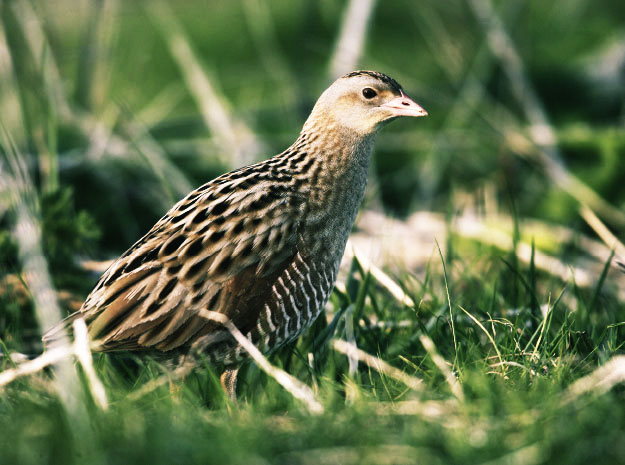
506,345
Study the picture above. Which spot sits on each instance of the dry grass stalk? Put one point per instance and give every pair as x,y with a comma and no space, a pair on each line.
429,409
599,381
351,37
527,455
609,239
350,350
234,137
385,280
410,244
473,228
352,355
540,130
443,366
18,193
265,34
49,357
59,354
294,386
82,350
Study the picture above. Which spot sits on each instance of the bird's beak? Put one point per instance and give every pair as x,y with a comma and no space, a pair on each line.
404,106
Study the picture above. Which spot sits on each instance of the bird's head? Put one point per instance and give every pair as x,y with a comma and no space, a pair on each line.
363,101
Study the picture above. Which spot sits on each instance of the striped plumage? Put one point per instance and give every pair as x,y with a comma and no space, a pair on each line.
261,244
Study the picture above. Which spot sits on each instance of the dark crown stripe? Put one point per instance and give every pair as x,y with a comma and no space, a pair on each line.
374,74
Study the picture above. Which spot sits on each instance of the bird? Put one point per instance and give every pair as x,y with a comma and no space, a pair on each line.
260,245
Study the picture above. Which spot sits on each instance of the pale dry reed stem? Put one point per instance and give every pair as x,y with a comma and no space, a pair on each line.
18,193
82,350
234,138
156,157
528,455
294,386
503,48
350,350
352,37
101,138
42,54
471,227
608,238
179,373
264,32
443,366
381,277
540,131
49,357
429,409
35,271
601,380
352,355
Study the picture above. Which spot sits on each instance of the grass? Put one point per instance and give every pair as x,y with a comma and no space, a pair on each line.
514,402
492,329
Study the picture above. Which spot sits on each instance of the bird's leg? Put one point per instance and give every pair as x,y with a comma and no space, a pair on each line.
175,390
184,366
228,381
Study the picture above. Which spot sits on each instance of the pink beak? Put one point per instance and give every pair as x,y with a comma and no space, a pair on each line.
405,106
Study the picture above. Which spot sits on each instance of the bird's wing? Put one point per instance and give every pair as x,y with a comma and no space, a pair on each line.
213,250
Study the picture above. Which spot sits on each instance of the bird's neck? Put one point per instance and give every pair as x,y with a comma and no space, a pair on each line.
334,170
340,151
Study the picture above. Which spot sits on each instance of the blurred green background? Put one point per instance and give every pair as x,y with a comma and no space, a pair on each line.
98,95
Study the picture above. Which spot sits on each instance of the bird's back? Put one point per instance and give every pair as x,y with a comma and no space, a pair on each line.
249,244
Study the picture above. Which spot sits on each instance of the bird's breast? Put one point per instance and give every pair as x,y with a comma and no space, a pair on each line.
331,211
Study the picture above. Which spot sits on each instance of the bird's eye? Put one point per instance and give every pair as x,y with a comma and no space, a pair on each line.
369,93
